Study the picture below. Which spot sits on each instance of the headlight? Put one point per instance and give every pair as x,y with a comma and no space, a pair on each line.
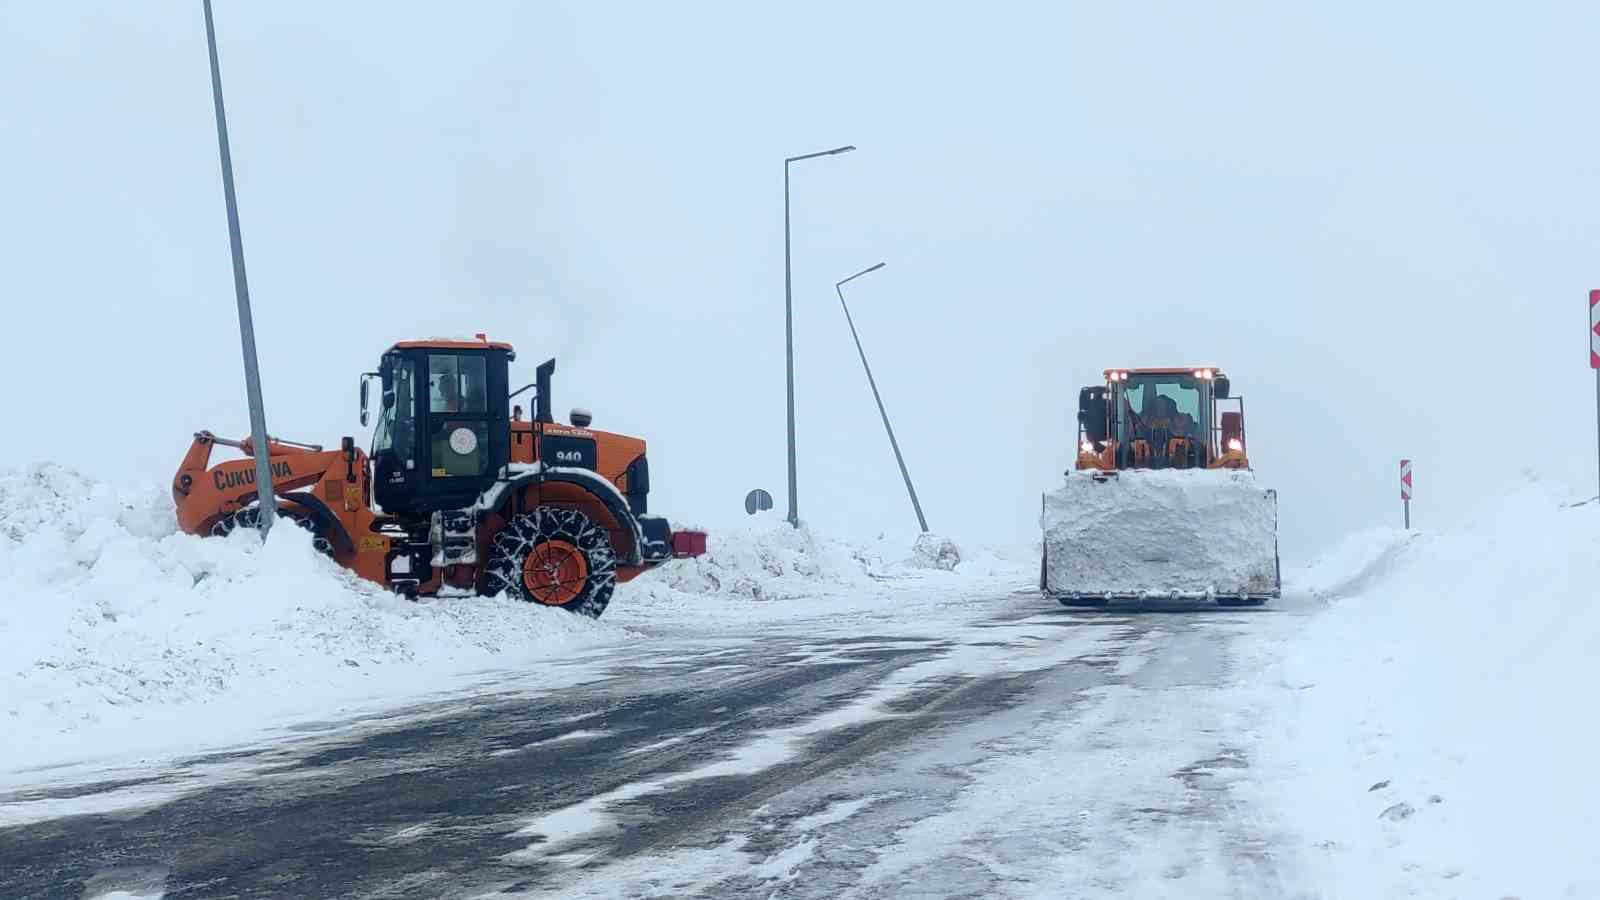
1086,447
1236,445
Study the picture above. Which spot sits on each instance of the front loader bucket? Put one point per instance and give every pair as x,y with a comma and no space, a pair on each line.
1187,534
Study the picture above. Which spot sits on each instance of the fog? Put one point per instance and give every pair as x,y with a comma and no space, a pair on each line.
1379,220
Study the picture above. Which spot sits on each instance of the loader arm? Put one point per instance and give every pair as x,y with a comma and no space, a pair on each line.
205,493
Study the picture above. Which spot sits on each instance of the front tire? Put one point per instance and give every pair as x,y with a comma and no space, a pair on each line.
554,557
250,517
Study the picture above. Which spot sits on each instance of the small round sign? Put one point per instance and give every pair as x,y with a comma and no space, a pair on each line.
756,501
463,441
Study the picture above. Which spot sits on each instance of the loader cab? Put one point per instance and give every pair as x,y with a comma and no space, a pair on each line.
443,432
1154,406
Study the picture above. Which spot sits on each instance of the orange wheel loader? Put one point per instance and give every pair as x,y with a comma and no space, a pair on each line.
1161,503
460,494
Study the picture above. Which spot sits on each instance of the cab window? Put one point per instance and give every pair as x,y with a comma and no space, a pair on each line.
395,424
1185,397
457,384
1165,401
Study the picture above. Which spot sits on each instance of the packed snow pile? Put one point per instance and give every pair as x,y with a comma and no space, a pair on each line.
1159,533
767,560
934,552
796,572
1432,729
108,611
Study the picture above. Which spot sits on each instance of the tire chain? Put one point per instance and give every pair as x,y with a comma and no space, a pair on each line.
518,539
250,517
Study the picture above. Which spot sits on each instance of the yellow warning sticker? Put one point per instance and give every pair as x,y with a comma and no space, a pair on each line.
374,544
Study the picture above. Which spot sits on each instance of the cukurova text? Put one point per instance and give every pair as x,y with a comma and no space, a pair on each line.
225,480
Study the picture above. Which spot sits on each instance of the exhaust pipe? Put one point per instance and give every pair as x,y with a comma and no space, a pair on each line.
541,397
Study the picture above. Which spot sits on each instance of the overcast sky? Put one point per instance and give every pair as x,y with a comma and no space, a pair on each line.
1379,218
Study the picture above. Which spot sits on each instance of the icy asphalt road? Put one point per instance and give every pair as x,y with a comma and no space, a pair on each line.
1013,749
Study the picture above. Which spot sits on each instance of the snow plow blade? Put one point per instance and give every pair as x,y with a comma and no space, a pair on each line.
1176,534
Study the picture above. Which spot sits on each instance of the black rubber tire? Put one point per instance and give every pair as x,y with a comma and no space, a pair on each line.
250,517
523,535
1236,601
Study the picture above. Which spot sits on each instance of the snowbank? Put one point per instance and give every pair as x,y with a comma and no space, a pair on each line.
122,634
769,570
1353,564
113,621
1432,730
1193,533
769,560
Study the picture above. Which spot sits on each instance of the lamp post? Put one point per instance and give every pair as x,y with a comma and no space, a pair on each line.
838,287
268,501
788,320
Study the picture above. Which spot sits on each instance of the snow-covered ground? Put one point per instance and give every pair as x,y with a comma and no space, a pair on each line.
125,637
1410,720
1429,732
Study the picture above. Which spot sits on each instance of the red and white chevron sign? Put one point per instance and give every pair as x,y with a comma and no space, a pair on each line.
1594,329
1405,479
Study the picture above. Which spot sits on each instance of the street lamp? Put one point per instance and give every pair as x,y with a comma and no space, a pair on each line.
268,500
788,319
893,444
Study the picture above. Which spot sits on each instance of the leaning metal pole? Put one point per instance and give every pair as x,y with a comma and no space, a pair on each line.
247,332
893,444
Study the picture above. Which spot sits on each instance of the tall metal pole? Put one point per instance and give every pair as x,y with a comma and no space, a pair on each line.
788,348
247,332
788,323
838,288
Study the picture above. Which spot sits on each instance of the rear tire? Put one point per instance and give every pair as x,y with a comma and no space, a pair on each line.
554,557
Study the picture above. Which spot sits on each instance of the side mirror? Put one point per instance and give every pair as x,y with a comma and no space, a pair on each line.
1232,427
1092,413
364,416
1221,388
